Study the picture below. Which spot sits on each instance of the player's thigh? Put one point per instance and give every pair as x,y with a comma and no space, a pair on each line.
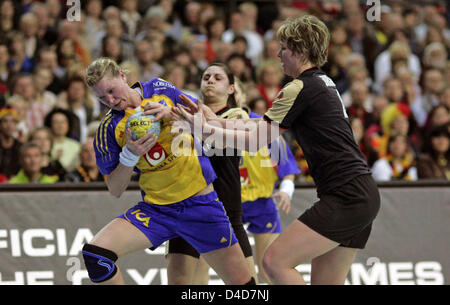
297,244
332,267
229,263
262,242
121,237
180,268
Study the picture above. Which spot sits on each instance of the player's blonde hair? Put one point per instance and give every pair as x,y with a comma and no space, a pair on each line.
306,35
99,68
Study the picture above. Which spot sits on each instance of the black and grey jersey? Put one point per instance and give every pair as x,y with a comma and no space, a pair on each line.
312,108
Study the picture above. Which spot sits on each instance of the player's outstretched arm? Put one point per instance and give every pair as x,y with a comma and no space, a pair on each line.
248,138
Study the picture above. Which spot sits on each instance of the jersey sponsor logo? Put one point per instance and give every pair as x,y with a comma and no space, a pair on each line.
245,179
161,85
155,155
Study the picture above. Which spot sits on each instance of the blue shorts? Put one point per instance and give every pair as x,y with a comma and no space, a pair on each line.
262,214
200,220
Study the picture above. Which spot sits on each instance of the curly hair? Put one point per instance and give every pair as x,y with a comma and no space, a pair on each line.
306,35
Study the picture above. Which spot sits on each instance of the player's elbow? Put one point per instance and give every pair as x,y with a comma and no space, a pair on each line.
115,191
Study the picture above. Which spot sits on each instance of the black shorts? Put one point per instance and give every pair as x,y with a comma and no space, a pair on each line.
345,214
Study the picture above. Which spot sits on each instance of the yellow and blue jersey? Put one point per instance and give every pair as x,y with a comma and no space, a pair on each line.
260,172
166,176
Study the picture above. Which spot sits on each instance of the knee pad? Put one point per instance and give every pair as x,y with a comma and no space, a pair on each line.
100,263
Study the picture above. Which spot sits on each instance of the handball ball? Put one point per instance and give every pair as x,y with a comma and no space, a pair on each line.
141,124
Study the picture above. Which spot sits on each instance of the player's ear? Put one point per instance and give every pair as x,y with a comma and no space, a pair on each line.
123,76
231,89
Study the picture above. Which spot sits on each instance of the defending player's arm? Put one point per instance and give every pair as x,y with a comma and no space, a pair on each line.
238,134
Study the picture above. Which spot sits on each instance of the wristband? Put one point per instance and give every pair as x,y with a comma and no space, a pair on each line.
288,187
127,158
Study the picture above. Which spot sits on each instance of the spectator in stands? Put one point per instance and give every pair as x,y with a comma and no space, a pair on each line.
197,51
66,52
336,67
24,86
224,51
130,16
45,33
435,56
435,162
192,18
237,26
9,144
88,170
384,62
215,27
444,96
54,8
359,134
271,48
48,58
177,75
7,13
357,74
249,12
432,85
112,48
134,71
144,55
19,104
42,78
360,101
338,34
81,104
43,137
30,156
361,37
269,76
28,27
258,105
19,61
114,27
65,149
238,66
73,31
94,23
398,163
393,90
4,70
240,47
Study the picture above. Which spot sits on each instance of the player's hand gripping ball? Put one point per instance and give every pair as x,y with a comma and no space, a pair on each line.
141,124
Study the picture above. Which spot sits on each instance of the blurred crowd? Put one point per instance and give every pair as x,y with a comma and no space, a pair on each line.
389,61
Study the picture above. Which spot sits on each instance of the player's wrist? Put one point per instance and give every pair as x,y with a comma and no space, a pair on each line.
287,186
127,158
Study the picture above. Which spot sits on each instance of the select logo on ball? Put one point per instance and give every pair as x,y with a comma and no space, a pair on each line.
141,124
